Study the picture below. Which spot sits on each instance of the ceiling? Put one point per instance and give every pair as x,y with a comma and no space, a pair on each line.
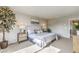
47,12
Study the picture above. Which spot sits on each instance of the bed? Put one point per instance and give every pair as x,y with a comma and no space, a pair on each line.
38,36
42,39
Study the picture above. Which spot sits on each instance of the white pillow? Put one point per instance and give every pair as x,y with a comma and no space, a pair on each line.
30,32
39,31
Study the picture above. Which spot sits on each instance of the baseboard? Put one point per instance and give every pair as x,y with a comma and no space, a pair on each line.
13,43
62,37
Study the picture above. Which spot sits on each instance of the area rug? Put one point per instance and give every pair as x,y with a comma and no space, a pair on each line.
37,49
49,49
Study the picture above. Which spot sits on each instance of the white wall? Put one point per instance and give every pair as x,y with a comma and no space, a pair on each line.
60,26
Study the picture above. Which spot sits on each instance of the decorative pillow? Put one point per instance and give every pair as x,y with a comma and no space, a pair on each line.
30,32
39,31
35,31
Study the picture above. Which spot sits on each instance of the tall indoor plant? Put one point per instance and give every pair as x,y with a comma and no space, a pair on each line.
7,21
76,27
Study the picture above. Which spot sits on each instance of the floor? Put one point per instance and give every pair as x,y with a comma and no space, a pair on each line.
65,46
16,47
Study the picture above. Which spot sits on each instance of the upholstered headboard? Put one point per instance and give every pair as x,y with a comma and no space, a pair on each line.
33,27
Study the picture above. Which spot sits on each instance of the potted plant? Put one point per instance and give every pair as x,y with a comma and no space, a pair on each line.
7,22
76,27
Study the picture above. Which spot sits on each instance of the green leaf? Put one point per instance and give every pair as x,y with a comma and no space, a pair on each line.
7,17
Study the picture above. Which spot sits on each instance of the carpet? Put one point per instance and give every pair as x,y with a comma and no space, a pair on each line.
30,49
34,48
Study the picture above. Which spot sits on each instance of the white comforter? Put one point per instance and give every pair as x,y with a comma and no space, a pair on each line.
42,39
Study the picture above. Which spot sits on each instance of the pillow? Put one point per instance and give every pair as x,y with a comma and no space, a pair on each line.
30,32
39,31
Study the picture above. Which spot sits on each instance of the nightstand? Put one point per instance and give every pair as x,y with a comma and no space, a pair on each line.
21,37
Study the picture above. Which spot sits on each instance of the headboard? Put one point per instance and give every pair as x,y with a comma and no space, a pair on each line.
33,26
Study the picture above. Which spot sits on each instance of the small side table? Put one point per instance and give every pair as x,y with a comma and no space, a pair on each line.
21,37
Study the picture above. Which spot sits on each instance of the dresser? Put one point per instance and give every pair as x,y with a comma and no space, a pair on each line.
22,36
74,26
75,43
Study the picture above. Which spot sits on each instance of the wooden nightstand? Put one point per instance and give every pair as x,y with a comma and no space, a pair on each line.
21,37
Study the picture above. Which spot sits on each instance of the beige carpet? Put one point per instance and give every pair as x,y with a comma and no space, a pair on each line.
61,46
16,46
65,45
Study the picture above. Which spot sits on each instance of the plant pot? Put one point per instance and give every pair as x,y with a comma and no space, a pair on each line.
77,32
4,44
